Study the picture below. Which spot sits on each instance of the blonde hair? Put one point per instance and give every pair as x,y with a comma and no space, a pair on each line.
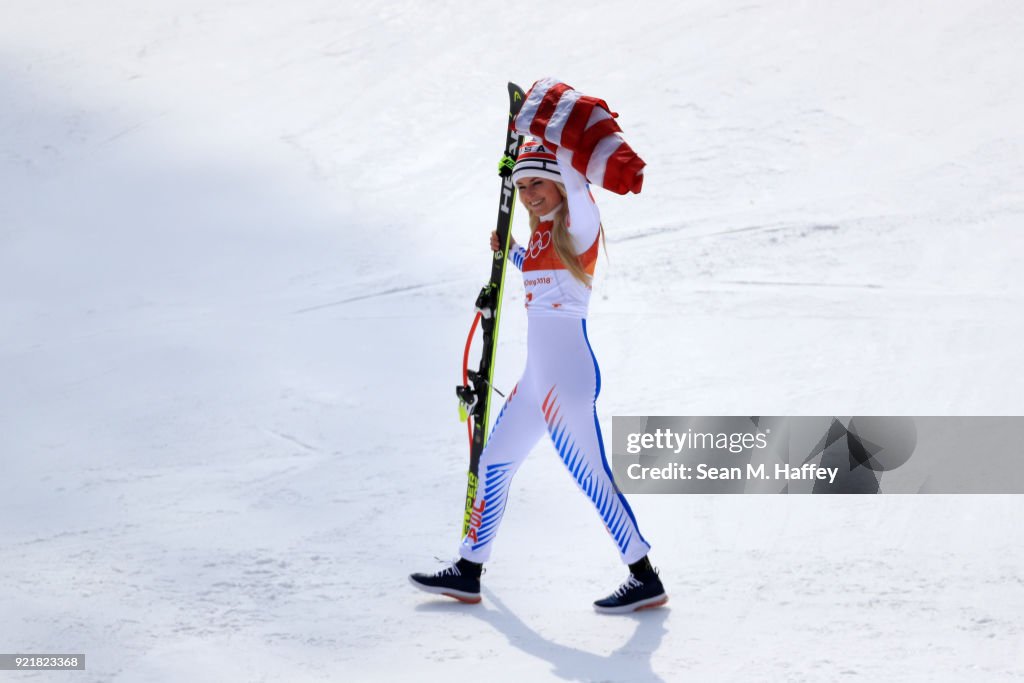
562,240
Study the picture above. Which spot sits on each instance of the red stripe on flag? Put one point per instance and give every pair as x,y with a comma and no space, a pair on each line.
574,124
622,172
596,133
600,103
633,172
615,168
546,109
638,182
581,158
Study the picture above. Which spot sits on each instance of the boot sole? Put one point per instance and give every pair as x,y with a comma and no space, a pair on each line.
649,603
461,596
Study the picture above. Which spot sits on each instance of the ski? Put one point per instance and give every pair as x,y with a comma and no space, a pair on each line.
475,391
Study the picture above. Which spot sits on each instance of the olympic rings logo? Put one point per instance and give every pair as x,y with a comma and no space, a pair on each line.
540,242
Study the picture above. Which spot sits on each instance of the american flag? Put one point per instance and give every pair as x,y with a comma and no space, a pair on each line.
586,127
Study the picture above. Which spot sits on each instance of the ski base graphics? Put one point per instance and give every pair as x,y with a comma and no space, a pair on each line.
475,391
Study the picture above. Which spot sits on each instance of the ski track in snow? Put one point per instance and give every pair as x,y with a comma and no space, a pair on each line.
240,248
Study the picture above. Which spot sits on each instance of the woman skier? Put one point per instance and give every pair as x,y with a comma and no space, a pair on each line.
558,388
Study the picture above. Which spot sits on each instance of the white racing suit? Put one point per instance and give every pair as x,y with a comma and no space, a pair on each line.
557,392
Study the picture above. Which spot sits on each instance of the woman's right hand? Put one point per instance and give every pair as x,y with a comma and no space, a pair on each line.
494,241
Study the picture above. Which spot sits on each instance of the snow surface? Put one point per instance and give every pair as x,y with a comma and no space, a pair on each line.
239,247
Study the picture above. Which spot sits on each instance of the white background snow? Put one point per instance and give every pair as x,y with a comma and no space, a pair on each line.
239,248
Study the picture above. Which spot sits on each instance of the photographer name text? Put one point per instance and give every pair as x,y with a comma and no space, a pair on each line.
699,472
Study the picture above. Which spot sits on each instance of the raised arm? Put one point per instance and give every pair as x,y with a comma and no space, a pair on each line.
584,218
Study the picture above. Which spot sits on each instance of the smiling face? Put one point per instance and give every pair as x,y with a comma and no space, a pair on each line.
540,196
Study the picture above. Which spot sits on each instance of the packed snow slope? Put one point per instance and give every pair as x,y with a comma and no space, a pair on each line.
239,248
